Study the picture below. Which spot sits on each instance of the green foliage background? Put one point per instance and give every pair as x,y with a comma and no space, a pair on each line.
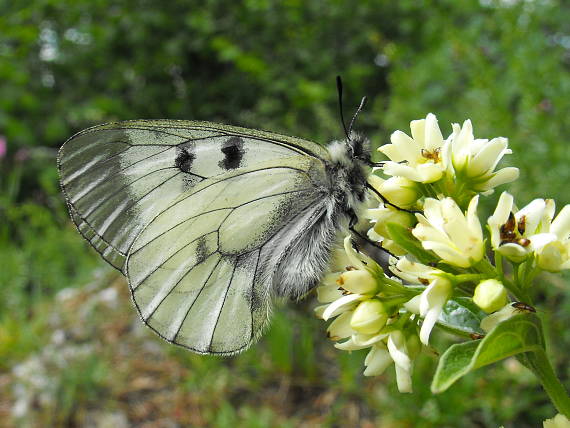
66,65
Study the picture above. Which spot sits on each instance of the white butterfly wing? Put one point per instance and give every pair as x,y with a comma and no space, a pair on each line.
117,177
200,272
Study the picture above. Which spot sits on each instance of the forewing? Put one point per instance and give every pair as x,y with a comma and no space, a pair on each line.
119,176
196,271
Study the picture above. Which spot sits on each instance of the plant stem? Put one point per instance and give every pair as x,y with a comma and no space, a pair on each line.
538,363
499,263
473,277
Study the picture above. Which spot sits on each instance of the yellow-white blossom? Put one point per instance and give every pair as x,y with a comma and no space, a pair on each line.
377,360
419,157
558,421
475,160
432,301
429,304
455,237
490,295
394,347
554,256
516,235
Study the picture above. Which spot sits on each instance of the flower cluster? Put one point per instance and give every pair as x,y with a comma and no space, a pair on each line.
364,304
459,166
428,221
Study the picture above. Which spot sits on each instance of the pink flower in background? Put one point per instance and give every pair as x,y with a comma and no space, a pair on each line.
3,146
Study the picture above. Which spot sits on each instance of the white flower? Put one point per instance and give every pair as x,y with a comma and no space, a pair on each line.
453,236
432,301
517,234
384,349
554,256
429,304
377,360
475,160
413,272
490,295
417,158
558,421
331,289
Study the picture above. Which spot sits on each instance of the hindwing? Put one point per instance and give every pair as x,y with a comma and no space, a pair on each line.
201,271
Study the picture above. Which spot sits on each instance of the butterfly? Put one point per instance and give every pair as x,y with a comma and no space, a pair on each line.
210,222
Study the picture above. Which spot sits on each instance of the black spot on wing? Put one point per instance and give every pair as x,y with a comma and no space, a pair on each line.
201,250
184,158
233,153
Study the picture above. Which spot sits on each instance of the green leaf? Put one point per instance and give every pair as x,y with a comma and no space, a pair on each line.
461,316
403,237
521,333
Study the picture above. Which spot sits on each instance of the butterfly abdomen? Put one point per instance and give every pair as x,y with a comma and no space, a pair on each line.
306,258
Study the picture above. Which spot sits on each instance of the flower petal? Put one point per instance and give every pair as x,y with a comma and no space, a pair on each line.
341,305
488,157
433,138
340,327
398,350
561,224
403,379
377,360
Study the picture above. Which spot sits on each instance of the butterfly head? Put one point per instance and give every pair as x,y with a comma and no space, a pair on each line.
358,148
353,152
350,165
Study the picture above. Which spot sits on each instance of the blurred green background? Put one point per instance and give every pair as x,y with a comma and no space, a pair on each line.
72,351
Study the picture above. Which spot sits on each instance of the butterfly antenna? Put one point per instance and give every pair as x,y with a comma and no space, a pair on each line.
339,90
358,110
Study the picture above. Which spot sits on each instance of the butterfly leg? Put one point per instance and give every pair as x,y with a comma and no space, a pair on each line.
387,202
363,244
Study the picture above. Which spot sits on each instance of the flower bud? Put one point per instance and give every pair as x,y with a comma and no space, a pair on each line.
369,317
398,190
392,215
358,281
490,295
